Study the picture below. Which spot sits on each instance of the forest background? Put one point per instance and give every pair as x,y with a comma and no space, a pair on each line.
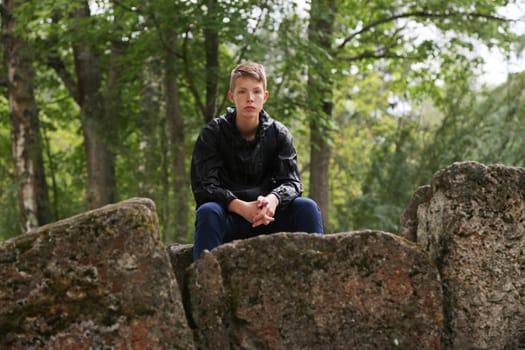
102,100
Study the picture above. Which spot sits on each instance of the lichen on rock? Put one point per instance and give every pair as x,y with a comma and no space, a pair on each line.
101,279
472,224
366,290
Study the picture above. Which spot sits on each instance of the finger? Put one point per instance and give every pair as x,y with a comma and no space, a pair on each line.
261,202
265,220
260,205
261,215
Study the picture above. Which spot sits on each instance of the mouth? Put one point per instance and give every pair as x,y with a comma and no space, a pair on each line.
249,108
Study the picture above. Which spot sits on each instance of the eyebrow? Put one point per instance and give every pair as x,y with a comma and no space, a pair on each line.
254,89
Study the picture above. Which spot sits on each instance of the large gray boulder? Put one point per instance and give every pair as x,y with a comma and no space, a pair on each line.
99,280
103,279
472,221
359,290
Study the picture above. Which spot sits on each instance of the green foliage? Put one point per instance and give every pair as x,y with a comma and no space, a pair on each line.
372,156
485,126
400,77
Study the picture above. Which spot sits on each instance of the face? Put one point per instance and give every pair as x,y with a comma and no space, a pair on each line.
248,96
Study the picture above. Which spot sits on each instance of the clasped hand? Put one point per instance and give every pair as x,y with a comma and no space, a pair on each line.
265,210
257,212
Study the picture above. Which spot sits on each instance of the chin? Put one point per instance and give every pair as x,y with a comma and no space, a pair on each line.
250,114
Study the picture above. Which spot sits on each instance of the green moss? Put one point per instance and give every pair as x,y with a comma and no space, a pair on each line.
24,242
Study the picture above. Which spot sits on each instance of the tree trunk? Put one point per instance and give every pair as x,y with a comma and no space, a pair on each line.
33,197
149,123
320,89
177,136
165,174
211,43
320,152
99,127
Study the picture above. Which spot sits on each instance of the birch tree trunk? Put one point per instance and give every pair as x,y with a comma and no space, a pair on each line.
33,197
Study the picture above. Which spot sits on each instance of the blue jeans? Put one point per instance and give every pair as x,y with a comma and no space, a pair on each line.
215,225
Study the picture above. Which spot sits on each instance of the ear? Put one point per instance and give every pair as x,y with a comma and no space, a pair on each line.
230,96
266,94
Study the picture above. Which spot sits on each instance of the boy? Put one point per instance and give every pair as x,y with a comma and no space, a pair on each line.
244,173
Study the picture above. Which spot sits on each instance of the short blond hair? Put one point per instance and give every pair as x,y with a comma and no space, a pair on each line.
248,69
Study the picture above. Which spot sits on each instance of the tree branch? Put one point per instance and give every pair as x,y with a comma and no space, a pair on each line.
373,55
155,22
421,14
190,79
59,67
127,8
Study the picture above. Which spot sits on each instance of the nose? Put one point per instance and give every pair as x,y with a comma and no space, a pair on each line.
250,96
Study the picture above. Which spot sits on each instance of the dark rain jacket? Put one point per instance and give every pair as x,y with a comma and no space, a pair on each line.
225,166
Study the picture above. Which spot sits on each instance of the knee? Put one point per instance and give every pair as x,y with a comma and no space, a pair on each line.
310,213
308,205
209,208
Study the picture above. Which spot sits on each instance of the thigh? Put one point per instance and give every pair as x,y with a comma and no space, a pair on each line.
301,215
238,228
210,208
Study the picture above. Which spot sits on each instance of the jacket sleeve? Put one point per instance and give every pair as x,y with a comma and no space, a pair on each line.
286,175
205,166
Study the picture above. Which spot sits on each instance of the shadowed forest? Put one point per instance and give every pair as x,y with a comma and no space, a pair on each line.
102,100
